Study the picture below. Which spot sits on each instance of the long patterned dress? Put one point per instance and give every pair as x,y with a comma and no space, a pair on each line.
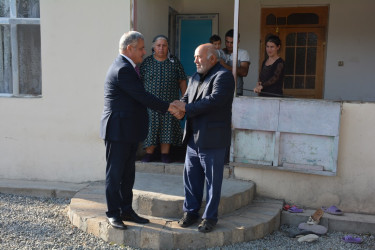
162,80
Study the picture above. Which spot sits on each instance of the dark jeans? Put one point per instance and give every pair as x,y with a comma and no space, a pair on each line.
203,166
120,175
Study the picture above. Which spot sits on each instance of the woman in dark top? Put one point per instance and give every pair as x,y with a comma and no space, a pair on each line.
272,72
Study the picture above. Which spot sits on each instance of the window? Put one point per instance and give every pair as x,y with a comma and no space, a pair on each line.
20,51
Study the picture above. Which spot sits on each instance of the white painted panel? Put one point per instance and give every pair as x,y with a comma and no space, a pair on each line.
255,113
310,117
307,150
256,147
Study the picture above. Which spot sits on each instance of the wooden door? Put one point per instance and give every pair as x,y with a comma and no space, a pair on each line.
302,34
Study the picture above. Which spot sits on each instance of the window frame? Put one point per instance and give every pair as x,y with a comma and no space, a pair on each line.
13,21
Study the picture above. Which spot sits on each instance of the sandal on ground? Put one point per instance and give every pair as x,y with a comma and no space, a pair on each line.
300,233
295,209
351,239
308,238
315,217
332,210
206,226
286,207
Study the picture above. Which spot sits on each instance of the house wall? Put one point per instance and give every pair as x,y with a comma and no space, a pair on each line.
56,137
156,22
353,187
350,39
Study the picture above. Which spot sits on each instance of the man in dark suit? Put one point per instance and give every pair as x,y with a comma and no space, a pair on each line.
208,107
124,124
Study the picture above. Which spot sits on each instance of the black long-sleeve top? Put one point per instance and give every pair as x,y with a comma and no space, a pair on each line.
272,77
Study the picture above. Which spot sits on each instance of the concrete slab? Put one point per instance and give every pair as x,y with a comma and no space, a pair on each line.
348,222
40,188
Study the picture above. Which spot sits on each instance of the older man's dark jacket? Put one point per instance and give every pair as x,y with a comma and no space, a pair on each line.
209,108
125,115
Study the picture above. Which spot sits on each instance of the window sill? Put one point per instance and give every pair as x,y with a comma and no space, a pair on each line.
20,96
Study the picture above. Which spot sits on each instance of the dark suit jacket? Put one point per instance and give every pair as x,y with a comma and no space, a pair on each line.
125,115
209,117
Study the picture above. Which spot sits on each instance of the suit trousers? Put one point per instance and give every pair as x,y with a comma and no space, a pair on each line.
120,175
203,165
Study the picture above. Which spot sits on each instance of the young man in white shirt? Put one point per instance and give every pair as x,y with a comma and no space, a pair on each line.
243,60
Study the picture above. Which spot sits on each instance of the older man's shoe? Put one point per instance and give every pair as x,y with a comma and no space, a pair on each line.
206,226
188,219
132,216
116,223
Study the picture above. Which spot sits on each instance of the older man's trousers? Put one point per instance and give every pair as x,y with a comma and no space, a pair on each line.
203,166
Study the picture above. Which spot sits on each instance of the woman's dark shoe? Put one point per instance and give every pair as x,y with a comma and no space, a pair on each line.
165,158
148,158
187,220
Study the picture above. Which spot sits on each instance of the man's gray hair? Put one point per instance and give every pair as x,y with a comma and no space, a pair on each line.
130,38
212,51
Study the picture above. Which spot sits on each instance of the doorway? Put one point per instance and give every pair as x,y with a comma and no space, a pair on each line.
191,31
302,31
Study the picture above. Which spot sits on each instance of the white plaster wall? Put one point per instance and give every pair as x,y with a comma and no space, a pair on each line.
351,39
156,22
56,137
352,189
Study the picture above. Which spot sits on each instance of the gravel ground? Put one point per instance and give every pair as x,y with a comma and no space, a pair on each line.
41,223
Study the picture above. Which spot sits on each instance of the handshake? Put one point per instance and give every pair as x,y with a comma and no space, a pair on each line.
177,109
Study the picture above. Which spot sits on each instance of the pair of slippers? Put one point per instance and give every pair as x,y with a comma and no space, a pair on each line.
332,210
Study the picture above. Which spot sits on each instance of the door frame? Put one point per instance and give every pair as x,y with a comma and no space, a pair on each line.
281,14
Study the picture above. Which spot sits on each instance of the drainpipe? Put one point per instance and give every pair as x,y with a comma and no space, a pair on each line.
133,14
235,42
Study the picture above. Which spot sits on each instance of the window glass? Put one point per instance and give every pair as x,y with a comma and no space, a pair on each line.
310,82
4,8
303,18
300,60
6,85
271,19
29,59
311,61
28,9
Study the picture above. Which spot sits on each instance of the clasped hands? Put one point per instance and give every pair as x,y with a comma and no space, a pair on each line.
258,88
177,109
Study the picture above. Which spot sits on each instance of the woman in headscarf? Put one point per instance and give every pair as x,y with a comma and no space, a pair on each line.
164,77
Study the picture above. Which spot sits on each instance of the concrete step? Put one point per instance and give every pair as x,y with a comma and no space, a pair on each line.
171,168
254,221
348,222
162,195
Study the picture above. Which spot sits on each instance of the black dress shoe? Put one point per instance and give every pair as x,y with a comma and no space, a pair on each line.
206,226
188,219
132,216
117,223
